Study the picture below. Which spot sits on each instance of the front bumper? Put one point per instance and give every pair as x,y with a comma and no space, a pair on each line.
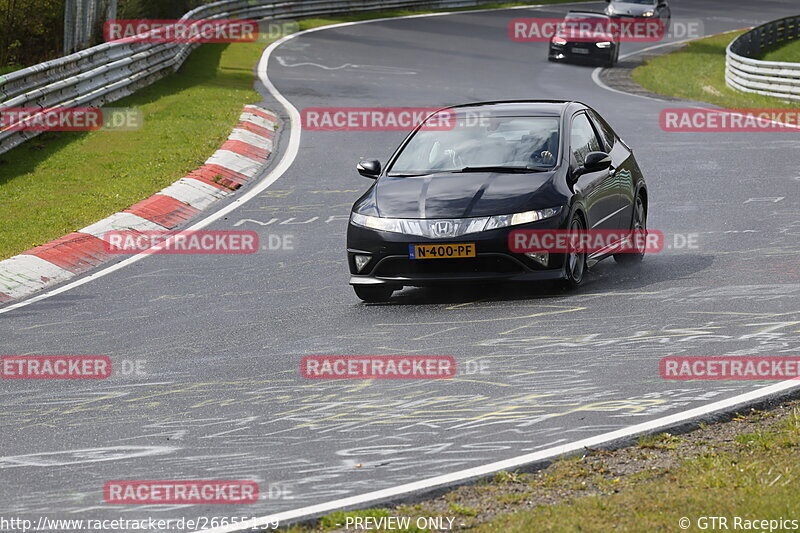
390,263
567,52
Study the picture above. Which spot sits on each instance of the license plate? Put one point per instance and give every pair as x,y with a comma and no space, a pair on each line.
441,251
580,51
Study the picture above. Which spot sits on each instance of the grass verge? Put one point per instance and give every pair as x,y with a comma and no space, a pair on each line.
746,467
60,182
789,53
669,75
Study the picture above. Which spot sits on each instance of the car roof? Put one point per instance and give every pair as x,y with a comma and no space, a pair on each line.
555,108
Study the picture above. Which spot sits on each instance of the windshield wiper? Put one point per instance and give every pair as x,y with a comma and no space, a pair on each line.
500,168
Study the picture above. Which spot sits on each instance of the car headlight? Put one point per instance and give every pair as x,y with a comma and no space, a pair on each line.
648,13
603,44
394,225
433,228
516,219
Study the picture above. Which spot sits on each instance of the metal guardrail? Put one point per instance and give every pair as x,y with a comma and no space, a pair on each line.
113,70
745,73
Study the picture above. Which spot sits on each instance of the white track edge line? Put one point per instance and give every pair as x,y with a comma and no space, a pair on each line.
600,83
507,464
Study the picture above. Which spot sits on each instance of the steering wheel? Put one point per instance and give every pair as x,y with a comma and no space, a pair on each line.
455,158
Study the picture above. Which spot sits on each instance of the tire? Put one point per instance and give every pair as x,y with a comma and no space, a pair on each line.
638,223
576,261
613,60
372,294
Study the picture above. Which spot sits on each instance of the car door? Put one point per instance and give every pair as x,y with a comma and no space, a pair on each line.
622,169
599,191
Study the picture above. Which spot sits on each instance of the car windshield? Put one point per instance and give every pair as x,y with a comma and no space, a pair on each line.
640,2
469,143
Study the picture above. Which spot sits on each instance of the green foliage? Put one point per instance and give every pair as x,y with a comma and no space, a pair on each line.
30,30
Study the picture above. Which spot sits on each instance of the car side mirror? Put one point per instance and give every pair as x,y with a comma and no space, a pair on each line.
597,161
369,168
594,162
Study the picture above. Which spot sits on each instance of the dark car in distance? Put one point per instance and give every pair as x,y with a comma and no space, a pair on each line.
599,45
442,209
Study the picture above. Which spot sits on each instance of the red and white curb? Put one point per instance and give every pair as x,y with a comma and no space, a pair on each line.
239,159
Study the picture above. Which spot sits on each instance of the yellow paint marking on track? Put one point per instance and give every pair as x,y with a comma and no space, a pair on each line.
744,314
458,306
436,333
332,417
479,381
485,320
542,314
637,293
633,406
404,351
365,383
772,326
275,193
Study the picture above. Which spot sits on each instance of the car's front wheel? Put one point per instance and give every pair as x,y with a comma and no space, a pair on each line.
614,59
576,259
372,294
638,225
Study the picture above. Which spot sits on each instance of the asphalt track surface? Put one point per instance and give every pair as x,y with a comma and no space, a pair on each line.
222,336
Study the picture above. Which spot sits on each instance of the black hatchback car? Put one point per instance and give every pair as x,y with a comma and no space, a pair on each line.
599,44
443,208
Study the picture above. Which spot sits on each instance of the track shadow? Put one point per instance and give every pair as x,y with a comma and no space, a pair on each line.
605,276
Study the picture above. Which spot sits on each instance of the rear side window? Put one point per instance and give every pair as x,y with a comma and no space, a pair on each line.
607,134
583,139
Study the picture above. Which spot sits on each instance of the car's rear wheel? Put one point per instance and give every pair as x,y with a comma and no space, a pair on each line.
638,224
576,259
372,294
